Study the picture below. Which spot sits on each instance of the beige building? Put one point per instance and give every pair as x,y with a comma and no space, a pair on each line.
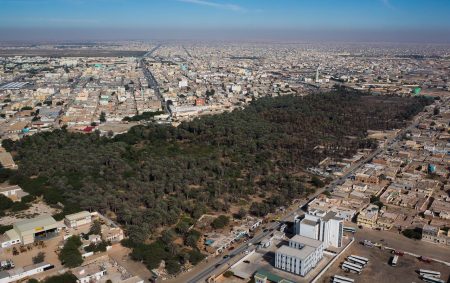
435,235
29,230
368,217
6,160
14,192
78,219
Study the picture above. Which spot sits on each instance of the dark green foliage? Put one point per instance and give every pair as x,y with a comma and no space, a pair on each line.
182,227
4,228
376,201
64,278
32,281
151,254
436,111
5,203
19,206
228,273
99,247
5,173
28,199
143,116
240,214
154,174
40,257
415,233
102,117
195,256
8,204
70,255
317,182
173,266
192,238
96,228
220,222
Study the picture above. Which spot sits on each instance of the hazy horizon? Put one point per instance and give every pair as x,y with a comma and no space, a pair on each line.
412,21
254,35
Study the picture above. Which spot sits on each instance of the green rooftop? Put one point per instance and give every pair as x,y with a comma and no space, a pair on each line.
261,273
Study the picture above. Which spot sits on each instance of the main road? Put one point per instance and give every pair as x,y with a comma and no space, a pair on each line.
215,267
152,82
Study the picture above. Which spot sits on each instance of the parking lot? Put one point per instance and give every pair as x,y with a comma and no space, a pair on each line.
379,268
264,258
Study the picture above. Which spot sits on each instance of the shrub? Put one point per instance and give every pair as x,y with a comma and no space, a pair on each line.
220,222
70,255
40,257
415,233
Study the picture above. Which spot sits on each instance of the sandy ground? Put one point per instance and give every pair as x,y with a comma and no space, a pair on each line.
400,242
36,209
379,270
120,254
25,258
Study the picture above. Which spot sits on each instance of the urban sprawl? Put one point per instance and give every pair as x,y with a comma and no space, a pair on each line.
380,210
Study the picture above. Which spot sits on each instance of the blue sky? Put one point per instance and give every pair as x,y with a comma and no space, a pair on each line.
305,15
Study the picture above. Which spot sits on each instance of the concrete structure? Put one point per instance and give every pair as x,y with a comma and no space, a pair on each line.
78,219
29,230
112,234
23,272
435,235
6,160
14,192
368,217
322,226
89,273
9,238
264,276
300,256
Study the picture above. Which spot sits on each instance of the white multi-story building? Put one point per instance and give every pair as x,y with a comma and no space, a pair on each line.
300,256
322,226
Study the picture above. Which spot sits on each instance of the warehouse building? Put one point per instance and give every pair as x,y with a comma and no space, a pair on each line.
78,219
30,230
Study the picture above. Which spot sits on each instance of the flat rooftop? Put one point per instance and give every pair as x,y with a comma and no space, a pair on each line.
31,224
306,241
298,253
78,215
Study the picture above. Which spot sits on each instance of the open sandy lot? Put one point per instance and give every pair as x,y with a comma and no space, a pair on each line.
379,269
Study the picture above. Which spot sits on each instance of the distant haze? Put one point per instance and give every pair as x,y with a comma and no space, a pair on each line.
254,20
72,34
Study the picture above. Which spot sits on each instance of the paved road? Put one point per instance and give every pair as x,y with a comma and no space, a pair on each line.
152,82
187,51
149,53
216,267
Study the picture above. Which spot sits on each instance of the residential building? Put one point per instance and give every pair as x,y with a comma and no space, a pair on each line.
368,217
435,235
14,192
